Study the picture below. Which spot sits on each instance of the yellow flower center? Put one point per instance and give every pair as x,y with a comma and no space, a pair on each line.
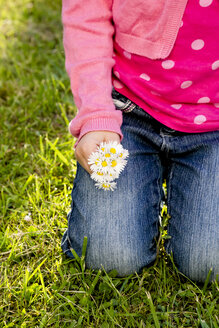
113,150
105,185
114,163
102,148
107,155
104,163
99,173
121,155
97,160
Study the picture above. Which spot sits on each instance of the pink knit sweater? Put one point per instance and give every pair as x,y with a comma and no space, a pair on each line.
147,28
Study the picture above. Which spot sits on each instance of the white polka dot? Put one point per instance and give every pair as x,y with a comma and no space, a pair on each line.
127,54
205,3
117,84
203,100
181,25
215,65
176,106
167,64
144,76
216,105
199,119
197,44
117,74
186,84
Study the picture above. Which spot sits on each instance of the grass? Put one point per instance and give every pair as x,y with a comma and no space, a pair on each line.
39,287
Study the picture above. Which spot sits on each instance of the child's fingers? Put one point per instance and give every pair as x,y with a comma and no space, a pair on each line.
89,143
82,158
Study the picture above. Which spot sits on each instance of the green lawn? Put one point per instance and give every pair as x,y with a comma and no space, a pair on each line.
39,287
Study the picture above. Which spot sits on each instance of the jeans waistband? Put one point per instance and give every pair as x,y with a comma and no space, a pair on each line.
124,104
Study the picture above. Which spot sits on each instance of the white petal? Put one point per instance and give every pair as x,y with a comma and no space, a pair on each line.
106,185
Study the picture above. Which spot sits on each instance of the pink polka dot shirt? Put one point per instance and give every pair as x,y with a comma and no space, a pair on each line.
182,90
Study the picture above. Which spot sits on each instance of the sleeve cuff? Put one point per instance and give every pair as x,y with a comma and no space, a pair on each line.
99,124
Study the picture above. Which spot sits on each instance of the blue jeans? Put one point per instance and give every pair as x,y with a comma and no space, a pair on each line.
122,226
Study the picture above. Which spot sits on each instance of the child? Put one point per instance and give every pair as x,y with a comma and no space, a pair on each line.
162,59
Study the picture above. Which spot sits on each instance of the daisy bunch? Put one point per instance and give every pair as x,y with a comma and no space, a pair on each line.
106,164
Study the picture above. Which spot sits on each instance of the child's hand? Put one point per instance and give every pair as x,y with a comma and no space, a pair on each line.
89,143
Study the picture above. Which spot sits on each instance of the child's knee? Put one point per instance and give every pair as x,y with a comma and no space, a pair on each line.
125,262
197,266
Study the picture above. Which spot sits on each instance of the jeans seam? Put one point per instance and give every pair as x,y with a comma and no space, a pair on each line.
159,187
169,193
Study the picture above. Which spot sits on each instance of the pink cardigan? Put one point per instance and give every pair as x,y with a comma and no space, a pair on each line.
143,27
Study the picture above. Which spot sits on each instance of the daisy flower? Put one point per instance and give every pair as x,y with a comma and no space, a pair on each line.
98,163
101,177
124,154
111,148
117,165
106,185
107,163
102,166
94,159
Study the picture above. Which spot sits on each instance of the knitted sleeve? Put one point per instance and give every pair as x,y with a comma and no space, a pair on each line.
88,43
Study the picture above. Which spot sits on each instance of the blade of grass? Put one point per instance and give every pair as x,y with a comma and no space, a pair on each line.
207,281
58,153
156,321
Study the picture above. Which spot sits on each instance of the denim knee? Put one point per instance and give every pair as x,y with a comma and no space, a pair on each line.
197,264
124,260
